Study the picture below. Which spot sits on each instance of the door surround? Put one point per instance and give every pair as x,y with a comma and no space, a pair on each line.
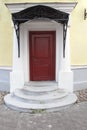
20,68
39,25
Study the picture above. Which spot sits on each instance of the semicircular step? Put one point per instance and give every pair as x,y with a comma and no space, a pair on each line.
40,89
17,104
47,96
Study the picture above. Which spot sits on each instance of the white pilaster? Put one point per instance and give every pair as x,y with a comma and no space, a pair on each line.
16,76
65,74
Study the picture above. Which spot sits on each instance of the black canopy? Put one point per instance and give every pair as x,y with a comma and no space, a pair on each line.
40,11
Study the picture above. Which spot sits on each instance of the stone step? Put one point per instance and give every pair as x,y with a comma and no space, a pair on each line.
15,103
45,97
41,83
40,89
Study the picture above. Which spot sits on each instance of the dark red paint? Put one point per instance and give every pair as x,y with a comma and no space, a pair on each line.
42,55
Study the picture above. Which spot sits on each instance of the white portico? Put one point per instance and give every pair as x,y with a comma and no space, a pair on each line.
57,89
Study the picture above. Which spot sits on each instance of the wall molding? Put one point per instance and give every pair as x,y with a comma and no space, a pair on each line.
5,68
78,66
62,6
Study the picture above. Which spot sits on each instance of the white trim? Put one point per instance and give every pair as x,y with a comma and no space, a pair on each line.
5,68
65,7
79,67
80,82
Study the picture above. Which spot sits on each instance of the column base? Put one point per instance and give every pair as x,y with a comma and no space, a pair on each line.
66,80
16,80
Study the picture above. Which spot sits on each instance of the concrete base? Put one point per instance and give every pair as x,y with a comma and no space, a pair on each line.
66,80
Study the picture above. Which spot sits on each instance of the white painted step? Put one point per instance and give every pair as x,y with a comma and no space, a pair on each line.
17,104
41,83
54,95
40,89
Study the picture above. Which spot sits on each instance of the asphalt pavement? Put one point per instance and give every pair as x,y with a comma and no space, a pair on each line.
71,118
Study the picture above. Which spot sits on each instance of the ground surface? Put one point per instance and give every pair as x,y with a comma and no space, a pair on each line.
71,118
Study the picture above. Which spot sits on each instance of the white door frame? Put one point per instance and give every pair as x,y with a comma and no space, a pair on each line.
24,40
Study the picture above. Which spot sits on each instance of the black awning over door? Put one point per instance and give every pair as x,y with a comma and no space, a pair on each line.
40,11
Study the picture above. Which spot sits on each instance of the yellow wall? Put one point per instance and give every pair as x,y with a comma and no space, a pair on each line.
5,36
78,32
78,35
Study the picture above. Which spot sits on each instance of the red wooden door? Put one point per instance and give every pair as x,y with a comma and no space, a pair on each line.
42,55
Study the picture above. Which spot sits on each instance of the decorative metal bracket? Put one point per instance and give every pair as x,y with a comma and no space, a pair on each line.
64,38
16,25
85,14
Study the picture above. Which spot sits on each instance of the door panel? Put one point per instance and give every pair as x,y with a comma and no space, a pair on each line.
42,55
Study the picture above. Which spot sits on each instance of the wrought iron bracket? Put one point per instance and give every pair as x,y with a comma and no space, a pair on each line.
64,38
16,26
85,14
